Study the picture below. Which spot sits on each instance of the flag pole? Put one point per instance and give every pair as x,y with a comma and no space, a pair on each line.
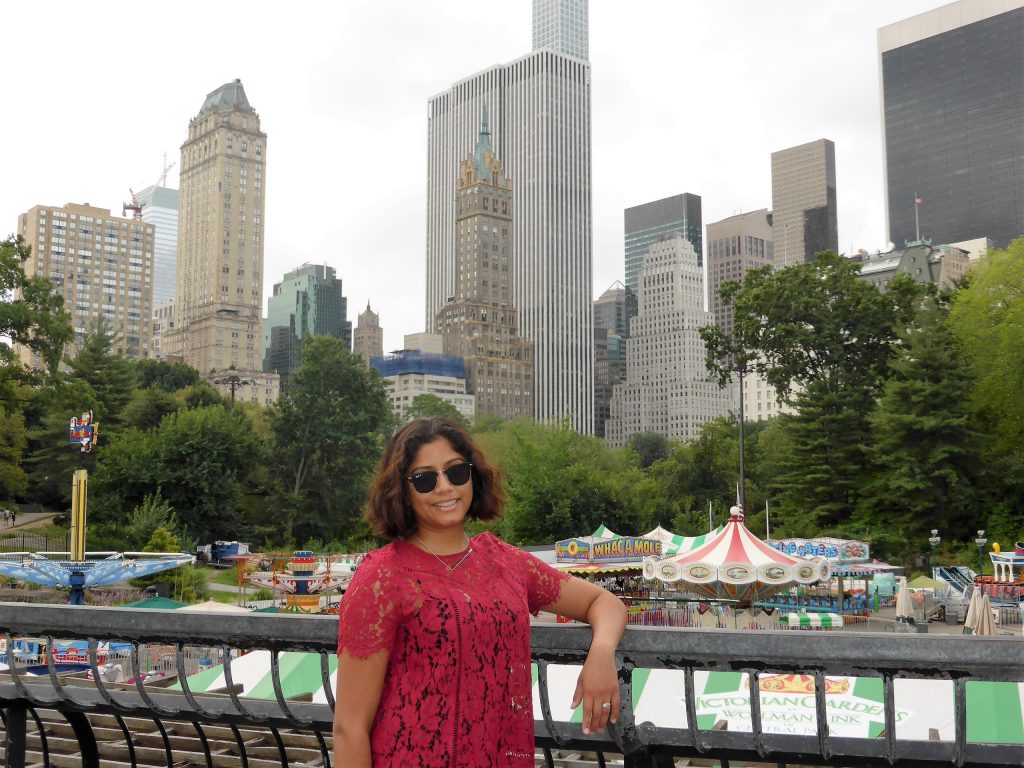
917,222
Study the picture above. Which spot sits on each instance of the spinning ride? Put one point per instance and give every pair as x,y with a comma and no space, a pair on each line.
736,566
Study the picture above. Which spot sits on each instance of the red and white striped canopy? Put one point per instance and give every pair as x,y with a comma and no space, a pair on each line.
736,565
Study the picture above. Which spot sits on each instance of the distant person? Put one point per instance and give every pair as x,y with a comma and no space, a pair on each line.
7,517
434,630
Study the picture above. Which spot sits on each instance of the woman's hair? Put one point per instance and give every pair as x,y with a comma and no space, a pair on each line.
388,510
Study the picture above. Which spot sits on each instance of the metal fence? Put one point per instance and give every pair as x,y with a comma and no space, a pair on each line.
28,541
105,721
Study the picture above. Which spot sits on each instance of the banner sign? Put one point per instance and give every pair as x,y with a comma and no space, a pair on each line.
83,432
572,551
625,548
833,550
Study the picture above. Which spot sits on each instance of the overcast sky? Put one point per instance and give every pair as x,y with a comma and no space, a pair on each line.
688,96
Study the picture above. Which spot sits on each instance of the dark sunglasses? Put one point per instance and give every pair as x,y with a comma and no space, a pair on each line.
457,474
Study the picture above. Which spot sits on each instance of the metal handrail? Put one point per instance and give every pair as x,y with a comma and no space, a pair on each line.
754,654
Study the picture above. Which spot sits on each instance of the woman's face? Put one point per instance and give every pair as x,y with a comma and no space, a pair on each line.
447,505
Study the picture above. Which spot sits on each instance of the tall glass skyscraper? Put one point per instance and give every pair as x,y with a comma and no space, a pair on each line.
160,208
539,110
307,302
650,223
953,121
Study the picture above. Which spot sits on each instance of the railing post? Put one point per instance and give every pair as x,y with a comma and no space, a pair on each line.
87,749
14,743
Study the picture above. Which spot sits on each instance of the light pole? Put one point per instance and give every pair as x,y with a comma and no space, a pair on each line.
742,369
934,540
981,541
233,382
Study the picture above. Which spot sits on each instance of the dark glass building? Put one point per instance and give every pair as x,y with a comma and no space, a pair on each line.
653,222
953,116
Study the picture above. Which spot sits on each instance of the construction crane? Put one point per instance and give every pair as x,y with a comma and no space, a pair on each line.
132,206
163,176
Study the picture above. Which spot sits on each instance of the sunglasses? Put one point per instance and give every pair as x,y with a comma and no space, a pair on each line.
457,474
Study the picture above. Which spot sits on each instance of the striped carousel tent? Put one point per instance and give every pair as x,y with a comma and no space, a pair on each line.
736,565
673,544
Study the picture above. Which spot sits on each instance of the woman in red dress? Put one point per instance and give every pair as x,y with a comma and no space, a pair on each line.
434,632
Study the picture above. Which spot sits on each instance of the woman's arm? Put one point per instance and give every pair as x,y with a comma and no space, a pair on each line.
598,683
360,682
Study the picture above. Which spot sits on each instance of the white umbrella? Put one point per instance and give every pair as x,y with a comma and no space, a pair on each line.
971,622
986,624
904,608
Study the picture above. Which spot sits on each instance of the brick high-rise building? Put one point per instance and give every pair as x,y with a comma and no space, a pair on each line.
480,323
368,336
220,247
735,245
805,217
102,265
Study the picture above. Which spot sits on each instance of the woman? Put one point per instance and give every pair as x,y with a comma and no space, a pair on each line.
434,632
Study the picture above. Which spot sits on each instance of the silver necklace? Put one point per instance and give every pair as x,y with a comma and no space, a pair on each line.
450,568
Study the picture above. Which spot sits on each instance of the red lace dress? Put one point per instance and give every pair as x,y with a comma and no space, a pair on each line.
458,691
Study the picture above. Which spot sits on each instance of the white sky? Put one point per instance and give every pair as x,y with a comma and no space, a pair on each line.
688,96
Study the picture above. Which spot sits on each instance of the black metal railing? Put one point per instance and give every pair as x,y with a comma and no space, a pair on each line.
137,724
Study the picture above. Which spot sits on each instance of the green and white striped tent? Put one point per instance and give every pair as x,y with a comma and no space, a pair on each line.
854,705
671,543
803,620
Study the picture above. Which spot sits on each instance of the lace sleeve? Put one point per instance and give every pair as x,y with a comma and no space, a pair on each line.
543,583
371,609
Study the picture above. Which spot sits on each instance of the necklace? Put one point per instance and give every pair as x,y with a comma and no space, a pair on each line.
449,568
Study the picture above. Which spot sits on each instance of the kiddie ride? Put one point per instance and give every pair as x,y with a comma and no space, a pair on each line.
1006,585
77,569
302,577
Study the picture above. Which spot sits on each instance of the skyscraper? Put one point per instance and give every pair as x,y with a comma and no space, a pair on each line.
953,118
653,222
539,109
480,324
307,302
160,208
220,246
562,26
805,217
609,350
735,245
101,264
667,390
368,337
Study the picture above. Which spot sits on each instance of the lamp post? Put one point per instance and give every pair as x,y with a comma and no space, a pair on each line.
981,541
934,540
233,382
742,369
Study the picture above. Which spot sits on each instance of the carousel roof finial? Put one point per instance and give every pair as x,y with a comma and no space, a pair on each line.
736,513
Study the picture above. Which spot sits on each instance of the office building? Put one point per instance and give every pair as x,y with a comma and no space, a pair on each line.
163,321
940,265
805,217
412,372
668,389
368,336
220,248
539,111
307,302
609,350
159,206
653,222
480,324
952,120
103,267
735,246
562,26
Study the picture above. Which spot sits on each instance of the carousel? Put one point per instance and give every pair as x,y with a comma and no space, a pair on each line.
735,566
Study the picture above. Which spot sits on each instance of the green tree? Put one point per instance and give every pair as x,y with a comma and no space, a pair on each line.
329,429
432,406
925,450
13,440
148,407
111,375
195,459
650,447
823,338
198,395
32,315
169,377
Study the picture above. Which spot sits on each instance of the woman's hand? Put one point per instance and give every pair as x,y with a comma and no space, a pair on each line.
598,689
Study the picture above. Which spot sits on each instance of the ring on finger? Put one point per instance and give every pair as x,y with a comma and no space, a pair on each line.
606,705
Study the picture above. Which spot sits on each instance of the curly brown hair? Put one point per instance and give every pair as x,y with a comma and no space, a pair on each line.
388,511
